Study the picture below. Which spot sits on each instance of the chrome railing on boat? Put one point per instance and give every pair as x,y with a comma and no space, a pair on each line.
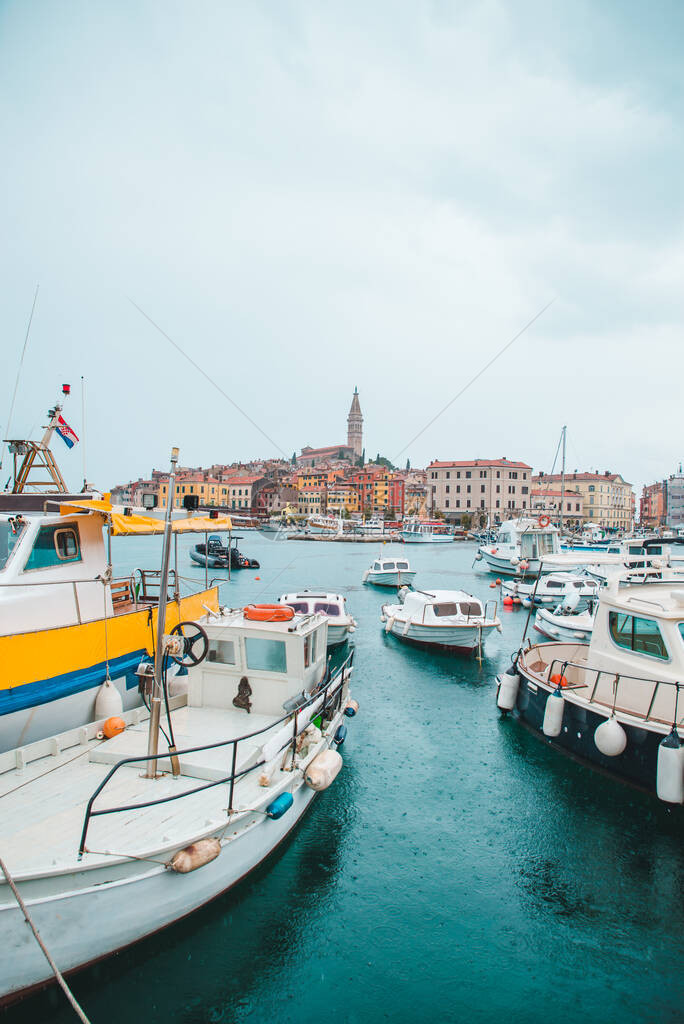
559,666
330,689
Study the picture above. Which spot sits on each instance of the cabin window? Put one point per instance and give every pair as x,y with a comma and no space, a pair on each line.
327,608
546,543
390,565
470,608
448,608
299,606
376,567
557,585
402,565
222,651
265,655
52,546
8,540
637,634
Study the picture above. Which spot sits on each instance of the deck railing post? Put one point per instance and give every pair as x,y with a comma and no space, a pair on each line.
232,778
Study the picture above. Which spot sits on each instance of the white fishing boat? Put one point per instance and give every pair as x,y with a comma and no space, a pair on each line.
426,533
250,737
614,702
562,623
341,624
552,588
374,526
447,619
389,572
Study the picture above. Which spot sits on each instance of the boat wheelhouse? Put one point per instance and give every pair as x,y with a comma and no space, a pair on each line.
341,624
389,572
447,619
614,702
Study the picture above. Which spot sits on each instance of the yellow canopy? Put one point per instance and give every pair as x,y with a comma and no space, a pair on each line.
135,525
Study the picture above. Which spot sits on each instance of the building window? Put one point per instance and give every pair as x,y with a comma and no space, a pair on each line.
482,488
468,488
467,474
523,490
447,503
447,488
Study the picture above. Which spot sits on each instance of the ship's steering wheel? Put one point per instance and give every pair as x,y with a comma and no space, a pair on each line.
194,644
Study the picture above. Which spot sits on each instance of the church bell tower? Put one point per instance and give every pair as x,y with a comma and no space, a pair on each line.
355,425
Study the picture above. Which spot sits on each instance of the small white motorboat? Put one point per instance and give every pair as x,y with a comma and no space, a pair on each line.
447,619
340,623
563,624
415,532
552,589
389,572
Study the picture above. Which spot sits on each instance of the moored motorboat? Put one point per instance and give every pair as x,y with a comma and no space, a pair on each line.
389,572
561,623
419,532
614,702
525,546
447,619
217,555
251,736
341,624
577,588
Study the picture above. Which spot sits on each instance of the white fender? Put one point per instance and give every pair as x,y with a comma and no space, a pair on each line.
366,575
509,684
553,714
407,626
323,770
610,738
108,701
389,624
670,771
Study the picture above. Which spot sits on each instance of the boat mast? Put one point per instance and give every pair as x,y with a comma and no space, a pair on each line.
156,696
563,433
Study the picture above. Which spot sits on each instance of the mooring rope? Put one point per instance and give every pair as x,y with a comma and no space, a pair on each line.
55,969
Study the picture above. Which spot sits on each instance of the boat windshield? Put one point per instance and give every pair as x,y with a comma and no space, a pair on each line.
402,565
470,608
327,608
299,606
10,534
447,608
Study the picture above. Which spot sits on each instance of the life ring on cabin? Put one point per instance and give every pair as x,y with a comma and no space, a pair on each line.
543,521
269,612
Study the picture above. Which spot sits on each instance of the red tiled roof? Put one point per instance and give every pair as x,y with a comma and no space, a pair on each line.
581,476
503,463
242,481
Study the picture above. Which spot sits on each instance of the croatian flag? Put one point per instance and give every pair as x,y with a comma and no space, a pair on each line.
66,433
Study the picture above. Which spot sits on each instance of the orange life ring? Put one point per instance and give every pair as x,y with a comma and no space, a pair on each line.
269,612
544,521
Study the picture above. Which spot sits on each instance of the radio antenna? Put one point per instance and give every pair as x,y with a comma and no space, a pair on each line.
16,383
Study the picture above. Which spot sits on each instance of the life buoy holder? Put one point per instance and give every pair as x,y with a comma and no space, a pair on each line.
544,521
268,612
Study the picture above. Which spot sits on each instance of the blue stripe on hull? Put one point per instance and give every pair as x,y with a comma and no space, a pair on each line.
18,698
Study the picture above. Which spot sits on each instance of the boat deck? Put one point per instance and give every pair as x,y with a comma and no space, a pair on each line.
40,801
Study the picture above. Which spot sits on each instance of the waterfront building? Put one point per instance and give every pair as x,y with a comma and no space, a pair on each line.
674,516
607,498
311,500
653,505
488,489
342,497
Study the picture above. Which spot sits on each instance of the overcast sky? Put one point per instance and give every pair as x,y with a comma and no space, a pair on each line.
308,197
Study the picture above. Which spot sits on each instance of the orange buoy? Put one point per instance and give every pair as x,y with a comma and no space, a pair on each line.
498,581
492,584
113,726
257,577
558,680
269,612
508,601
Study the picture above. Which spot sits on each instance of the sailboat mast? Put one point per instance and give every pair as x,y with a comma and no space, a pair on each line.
156,696
562,500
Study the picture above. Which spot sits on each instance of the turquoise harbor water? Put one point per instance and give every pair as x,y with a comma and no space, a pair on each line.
458,869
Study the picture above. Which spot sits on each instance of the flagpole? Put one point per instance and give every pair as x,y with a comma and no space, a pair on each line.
83,432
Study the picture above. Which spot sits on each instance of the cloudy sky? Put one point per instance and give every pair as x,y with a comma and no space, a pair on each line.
307,197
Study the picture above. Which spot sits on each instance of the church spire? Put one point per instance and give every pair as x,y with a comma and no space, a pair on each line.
355,425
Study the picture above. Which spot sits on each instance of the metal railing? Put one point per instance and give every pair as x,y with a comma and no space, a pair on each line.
331,690
614,679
